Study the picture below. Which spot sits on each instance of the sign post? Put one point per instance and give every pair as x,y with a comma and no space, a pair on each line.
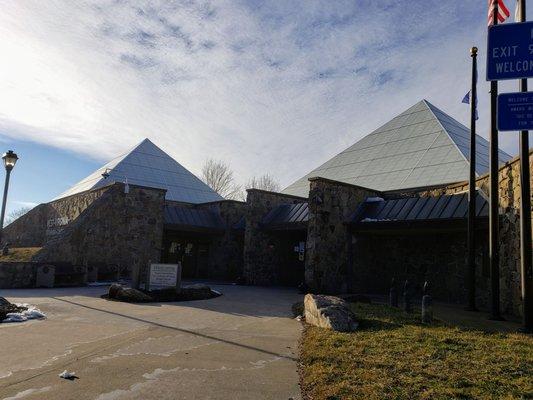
526,267
510,56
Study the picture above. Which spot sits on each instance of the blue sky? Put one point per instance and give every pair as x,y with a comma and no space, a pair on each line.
267,86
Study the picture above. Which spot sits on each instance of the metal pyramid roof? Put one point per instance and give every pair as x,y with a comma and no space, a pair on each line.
423,146
148,165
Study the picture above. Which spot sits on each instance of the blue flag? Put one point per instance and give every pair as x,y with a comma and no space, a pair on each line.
466,100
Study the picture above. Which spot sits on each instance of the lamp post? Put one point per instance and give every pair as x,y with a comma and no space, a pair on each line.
10,159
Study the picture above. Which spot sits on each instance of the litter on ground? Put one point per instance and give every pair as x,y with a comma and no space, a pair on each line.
68,375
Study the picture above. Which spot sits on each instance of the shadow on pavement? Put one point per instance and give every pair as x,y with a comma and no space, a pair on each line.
244,346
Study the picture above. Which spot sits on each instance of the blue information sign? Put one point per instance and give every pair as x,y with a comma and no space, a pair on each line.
510,51
515,111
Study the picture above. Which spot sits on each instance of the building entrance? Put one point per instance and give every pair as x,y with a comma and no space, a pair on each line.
190,250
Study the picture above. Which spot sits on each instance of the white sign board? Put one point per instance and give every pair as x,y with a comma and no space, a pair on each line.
164,276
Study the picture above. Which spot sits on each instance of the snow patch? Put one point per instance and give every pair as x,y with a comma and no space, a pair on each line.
32,312
374,199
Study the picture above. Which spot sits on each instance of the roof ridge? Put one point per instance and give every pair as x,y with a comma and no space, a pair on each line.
503,156
430,108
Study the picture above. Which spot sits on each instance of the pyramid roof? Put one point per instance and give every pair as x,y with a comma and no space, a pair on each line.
423,146
148,165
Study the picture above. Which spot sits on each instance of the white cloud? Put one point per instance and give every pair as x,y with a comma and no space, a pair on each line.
25,204
271,86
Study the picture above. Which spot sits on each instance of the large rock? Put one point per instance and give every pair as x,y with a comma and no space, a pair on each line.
329,312
7,308
197,291
129,295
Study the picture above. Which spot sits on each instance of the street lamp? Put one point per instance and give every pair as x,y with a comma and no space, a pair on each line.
10,159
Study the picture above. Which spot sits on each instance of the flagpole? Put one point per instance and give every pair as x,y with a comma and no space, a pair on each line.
494,253
526,270
471,273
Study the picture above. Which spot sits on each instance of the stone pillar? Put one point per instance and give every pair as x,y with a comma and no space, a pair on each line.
261,260
226,250
331,203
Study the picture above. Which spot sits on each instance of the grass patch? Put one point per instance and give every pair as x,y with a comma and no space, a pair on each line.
19,254
393,356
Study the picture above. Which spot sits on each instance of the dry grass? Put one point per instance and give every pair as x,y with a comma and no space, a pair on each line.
19,254
393,356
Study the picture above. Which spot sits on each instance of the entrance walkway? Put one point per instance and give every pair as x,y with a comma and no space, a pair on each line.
242,345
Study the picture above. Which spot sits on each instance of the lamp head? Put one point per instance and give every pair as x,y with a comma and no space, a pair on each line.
10,159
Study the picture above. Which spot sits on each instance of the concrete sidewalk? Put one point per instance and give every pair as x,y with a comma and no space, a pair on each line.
242,345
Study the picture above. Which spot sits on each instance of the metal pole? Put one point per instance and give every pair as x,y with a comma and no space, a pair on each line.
4,202
526,270
494,218
471,272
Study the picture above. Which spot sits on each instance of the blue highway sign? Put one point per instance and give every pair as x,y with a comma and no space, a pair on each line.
515,111
510,51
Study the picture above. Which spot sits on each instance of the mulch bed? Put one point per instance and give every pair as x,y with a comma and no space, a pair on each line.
167,295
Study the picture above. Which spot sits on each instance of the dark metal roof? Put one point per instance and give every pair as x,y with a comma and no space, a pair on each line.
440,208
287,216
192,219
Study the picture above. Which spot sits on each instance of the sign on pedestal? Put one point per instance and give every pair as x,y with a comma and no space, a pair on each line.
164,276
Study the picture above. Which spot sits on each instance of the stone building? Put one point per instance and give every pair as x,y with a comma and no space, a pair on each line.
141,207
393,205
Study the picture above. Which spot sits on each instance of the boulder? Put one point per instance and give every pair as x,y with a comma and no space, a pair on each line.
113,290
329,312
198,286
129,295
197,291
7,308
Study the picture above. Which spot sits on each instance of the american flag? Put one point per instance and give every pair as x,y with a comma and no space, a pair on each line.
503,11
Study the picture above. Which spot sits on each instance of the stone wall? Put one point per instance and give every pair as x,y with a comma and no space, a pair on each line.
509,202
261,258
115,228
47,221
440,258
327,265
17,275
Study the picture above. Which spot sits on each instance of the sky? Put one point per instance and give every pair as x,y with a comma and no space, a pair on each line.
271,86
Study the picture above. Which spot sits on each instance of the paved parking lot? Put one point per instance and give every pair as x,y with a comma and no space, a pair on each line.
242,345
